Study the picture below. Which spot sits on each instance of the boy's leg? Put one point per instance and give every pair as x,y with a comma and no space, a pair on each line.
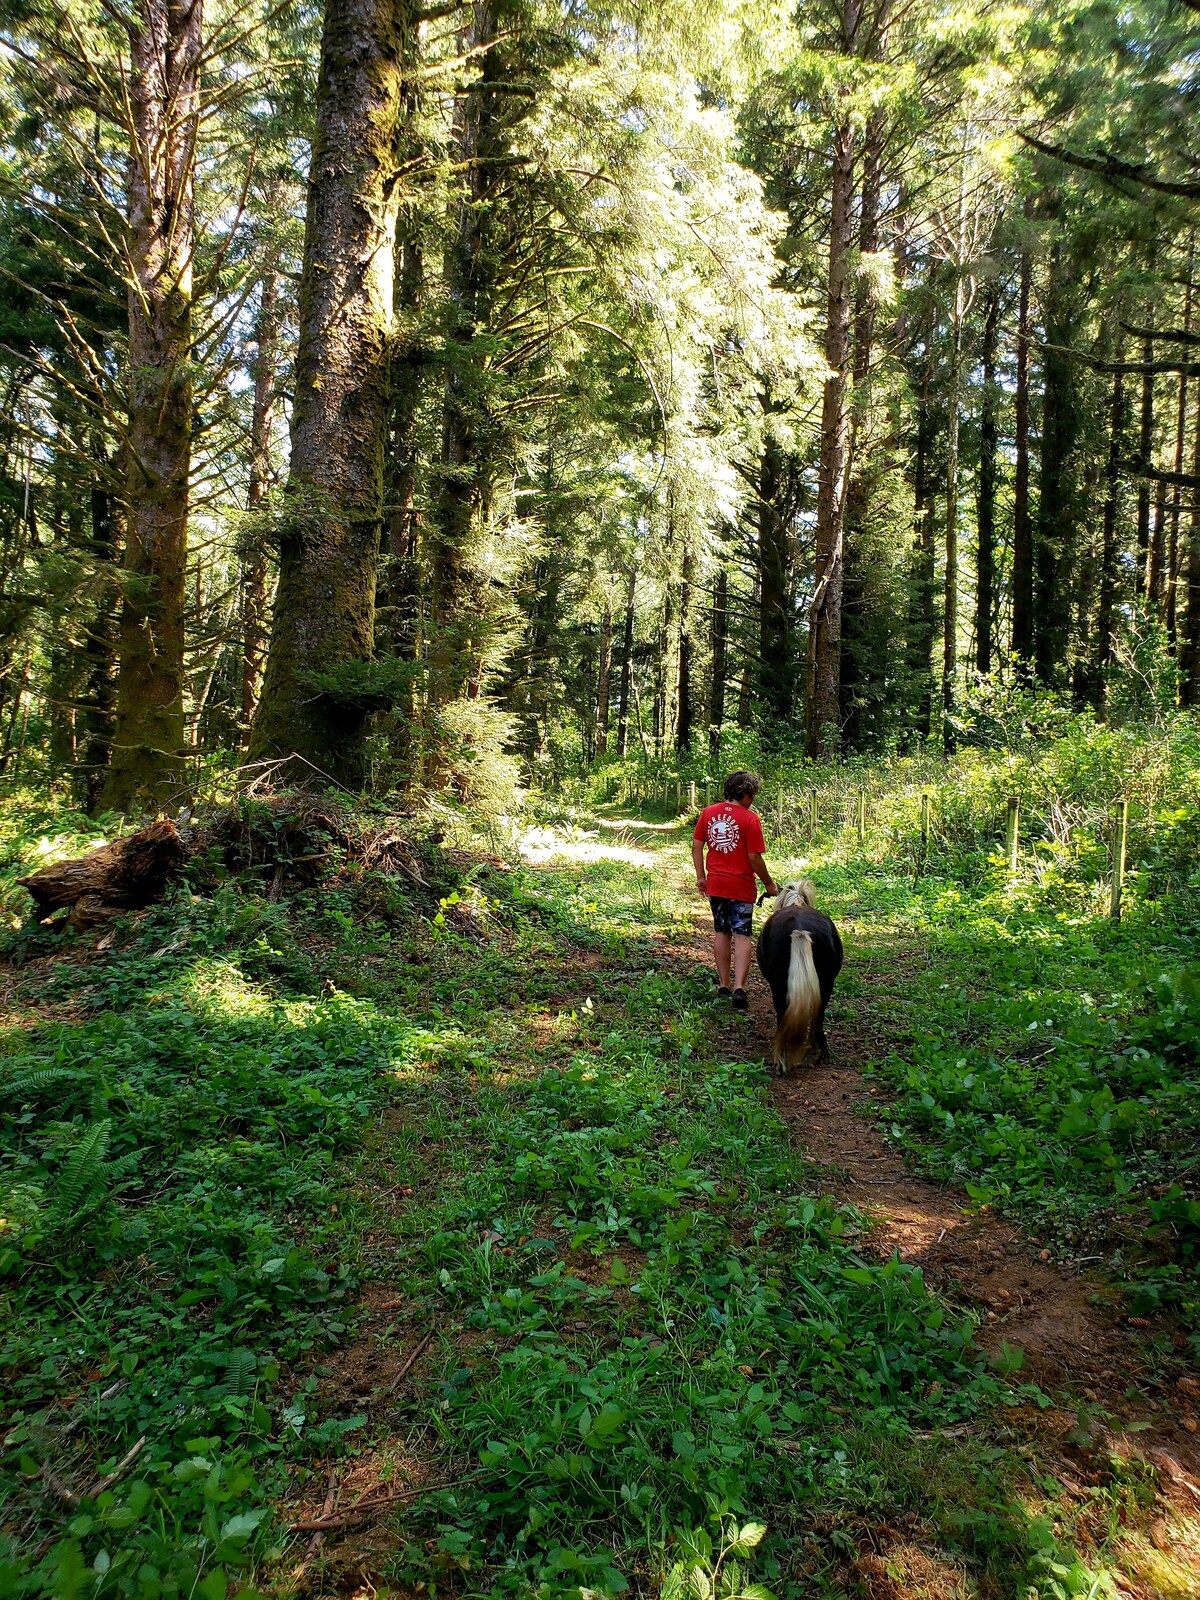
741,923
721,943
743,953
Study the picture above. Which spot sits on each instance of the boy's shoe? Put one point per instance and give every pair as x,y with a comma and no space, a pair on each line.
724,992
741,1000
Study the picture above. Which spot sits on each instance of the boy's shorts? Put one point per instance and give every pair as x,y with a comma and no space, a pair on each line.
732,916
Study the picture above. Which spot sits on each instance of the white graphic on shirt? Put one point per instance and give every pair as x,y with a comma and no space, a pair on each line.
724,835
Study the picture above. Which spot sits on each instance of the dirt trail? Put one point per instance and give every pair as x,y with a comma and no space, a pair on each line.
1078,1342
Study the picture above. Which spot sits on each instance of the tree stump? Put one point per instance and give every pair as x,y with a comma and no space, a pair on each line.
123,876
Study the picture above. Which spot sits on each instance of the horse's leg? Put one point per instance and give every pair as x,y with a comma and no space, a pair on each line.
820,1043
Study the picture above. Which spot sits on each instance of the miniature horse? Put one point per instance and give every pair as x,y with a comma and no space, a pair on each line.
800,955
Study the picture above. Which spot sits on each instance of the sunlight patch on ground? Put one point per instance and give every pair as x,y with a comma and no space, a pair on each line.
218,990
618,823
539,845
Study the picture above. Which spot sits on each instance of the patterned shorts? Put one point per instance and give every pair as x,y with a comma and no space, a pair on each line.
732,916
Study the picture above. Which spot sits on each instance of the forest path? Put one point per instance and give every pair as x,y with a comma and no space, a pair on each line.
441,1161
1076,1340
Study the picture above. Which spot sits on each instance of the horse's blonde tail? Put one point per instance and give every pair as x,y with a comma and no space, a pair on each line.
794,1033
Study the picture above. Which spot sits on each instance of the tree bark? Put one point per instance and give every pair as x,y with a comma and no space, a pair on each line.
125,875
1146,454
147,762
100,649
1110,550
1022,558
921,619
684,717
604,681
665,668
1058,485
626,670
822,704
254,572
1181,430
719,638
400,587
745,710
985,510
325,603
1189,655
458,601
1156,562
775,681
855,662
950,588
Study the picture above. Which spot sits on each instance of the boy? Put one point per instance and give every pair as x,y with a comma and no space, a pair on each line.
734,838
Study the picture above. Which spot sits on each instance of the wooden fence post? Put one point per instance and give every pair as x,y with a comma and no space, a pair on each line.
862,816
678,795
924,824
1012,833
692,796
1120,841
812,813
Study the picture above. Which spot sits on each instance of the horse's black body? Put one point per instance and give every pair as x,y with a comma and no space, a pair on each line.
801,1024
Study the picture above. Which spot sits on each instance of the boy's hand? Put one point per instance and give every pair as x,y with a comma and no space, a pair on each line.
772,888
702,887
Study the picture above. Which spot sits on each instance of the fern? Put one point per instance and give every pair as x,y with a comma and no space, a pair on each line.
85,1182
240,1373
31,1085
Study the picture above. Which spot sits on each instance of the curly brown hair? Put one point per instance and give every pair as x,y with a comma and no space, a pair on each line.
740,784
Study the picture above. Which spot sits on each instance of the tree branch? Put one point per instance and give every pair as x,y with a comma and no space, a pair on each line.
1139,467
1171,335
1113,169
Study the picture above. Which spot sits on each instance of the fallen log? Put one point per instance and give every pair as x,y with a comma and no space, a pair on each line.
123,876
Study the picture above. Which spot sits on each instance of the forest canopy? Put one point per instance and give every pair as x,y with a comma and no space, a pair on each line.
422,396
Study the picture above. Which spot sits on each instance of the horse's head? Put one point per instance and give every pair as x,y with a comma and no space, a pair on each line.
800,892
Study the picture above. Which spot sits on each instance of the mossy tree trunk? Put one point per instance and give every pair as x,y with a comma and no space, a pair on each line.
604,681
324,617
470,455
861,674
985,503
1021,582
776,679
922,611
254,569
719,637
1189,653
1110,550
96,711
684,715
1059,497
626,670
950,581
822,706
146,768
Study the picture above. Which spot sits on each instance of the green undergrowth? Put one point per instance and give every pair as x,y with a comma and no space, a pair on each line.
664,1320
650,1322
1037,1054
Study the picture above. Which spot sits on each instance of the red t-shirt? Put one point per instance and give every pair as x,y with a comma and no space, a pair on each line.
732,833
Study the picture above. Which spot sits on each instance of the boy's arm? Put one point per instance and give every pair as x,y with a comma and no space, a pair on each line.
763,871
698,863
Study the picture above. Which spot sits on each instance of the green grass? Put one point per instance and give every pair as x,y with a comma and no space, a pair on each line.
1042,1058
668,1313
650,1320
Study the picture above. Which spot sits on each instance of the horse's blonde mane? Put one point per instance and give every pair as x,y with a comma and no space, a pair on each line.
800,892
